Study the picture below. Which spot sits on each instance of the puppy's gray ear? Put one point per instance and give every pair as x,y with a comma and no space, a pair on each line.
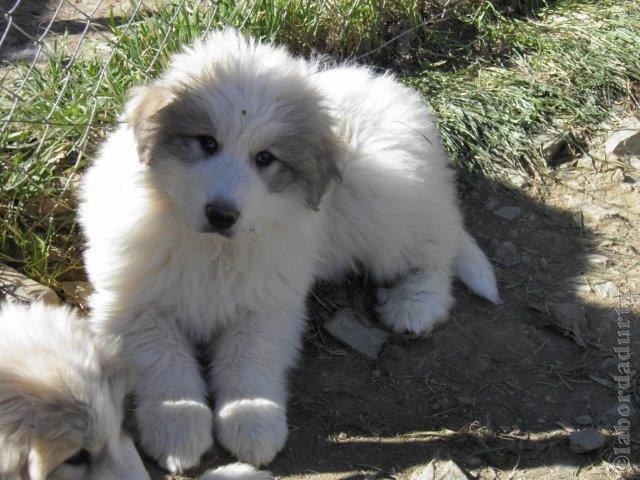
33,417
142,113
30,409
328,157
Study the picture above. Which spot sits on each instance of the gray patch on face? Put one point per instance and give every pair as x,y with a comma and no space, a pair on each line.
308,152
167,123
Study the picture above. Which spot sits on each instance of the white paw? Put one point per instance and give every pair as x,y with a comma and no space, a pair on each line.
236,471
252,430
175,433
408,311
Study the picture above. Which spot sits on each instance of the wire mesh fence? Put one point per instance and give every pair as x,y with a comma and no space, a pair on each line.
65,67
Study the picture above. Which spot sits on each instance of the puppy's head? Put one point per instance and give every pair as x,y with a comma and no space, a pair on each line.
60,405
236,135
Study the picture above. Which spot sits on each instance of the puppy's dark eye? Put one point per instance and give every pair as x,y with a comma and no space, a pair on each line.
209,145
81,457
264,159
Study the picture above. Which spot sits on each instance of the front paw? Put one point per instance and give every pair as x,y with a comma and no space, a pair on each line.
252,430
175,433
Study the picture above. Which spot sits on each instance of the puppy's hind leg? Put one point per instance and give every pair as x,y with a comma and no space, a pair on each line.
417,302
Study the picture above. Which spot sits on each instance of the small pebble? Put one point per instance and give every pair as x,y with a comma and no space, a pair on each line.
607,290
587,440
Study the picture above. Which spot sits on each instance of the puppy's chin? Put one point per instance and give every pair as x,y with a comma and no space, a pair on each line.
208,230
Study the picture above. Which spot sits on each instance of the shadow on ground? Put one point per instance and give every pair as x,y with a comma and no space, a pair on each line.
504,379
497,388
30,19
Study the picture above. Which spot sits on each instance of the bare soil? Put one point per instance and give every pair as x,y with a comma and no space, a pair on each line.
498,389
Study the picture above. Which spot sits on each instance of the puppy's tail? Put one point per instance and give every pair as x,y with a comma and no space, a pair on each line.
475,270
236,471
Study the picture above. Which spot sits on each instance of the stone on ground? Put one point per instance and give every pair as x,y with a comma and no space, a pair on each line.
587,440
16,287
356,332
625,141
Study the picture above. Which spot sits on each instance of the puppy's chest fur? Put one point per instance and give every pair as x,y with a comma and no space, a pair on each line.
206,283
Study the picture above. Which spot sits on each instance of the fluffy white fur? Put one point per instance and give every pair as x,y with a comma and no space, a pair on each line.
164,284
57,397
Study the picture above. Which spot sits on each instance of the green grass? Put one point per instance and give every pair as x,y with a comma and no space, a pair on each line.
495,73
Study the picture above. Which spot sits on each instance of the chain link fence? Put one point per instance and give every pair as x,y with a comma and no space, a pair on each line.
65,67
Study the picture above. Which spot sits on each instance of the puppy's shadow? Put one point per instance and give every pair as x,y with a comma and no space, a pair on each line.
493,386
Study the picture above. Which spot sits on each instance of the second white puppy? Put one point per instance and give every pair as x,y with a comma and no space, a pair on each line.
61,403
240,176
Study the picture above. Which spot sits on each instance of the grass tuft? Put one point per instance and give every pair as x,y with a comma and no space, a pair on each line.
496,74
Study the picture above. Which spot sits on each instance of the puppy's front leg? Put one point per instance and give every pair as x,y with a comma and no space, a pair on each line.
248,374
174,420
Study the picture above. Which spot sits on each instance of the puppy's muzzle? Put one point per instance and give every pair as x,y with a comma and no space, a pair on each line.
221,216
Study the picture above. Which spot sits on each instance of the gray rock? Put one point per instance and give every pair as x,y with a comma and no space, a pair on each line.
587,440
357,333
16,287
635,162
618,176
508,212
607,290
439,470
626,141
507,255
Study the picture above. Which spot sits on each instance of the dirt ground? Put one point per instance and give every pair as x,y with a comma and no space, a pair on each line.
498,389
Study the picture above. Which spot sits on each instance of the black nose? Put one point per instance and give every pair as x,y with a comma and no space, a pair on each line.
221,215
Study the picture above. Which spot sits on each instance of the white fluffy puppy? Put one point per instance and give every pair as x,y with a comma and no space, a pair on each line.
60,402
240,176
